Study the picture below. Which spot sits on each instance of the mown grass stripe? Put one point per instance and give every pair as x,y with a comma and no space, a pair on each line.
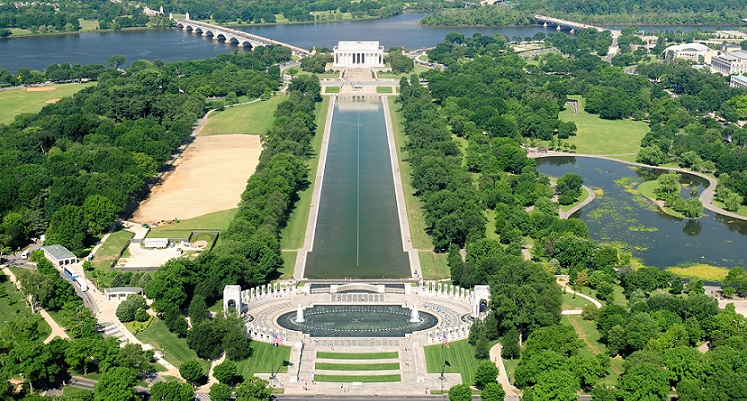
357,366
362,379
353,355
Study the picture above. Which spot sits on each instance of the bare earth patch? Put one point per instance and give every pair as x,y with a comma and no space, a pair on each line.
210,176
50,101
41,89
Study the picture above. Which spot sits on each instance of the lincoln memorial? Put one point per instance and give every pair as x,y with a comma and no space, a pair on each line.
358,55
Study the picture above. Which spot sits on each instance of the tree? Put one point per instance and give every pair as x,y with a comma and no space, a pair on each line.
172,391
492,392
128,308
227,372
198,310
486,373
254,390
220,392
174,320
100,212
555,385
117,384
526,299
645,381
191,371
510,344
460,392
116,61
68,227
482,347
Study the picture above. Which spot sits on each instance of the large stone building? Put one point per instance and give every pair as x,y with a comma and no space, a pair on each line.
695,52
730,64
358,55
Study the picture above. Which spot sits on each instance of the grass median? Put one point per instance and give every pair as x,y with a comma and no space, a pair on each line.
356,366
355,379
353,355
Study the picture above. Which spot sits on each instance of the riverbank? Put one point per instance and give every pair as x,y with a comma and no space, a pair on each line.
706,197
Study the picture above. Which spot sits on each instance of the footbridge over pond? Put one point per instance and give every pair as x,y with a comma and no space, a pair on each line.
573,26
233,36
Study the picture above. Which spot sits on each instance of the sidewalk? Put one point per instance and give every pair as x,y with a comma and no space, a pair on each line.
495,355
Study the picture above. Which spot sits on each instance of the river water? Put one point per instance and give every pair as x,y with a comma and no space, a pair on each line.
621,214
357,231
95,48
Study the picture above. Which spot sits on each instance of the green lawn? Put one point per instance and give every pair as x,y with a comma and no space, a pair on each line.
353,355
265,358
331,89
648,189
434,265
16,101
569,302
183,229
383,89
418,69
356,366
587,331
354,379
460,358
420,238
289,262
254,118
110,249
292,235
12,305
603,137
742,211
175,349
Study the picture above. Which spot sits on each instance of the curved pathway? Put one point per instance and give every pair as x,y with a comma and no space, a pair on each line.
706,197
591,196
495,356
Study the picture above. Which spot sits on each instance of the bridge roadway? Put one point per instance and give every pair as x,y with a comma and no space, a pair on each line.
573,25
234,36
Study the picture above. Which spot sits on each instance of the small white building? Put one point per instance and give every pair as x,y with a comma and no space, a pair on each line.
358,54
59,255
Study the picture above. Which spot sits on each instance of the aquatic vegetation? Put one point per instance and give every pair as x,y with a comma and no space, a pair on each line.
701,271
643,228
598,192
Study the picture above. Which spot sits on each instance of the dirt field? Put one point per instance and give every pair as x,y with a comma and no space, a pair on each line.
209,177
51,101
41,89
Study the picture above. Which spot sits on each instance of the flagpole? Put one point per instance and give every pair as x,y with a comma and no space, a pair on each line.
272,359
443,362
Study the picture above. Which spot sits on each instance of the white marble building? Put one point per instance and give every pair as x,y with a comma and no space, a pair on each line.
358,54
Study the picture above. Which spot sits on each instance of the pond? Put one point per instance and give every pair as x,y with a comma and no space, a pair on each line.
621,214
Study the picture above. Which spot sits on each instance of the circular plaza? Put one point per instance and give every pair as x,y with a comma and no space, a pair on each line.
394,320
